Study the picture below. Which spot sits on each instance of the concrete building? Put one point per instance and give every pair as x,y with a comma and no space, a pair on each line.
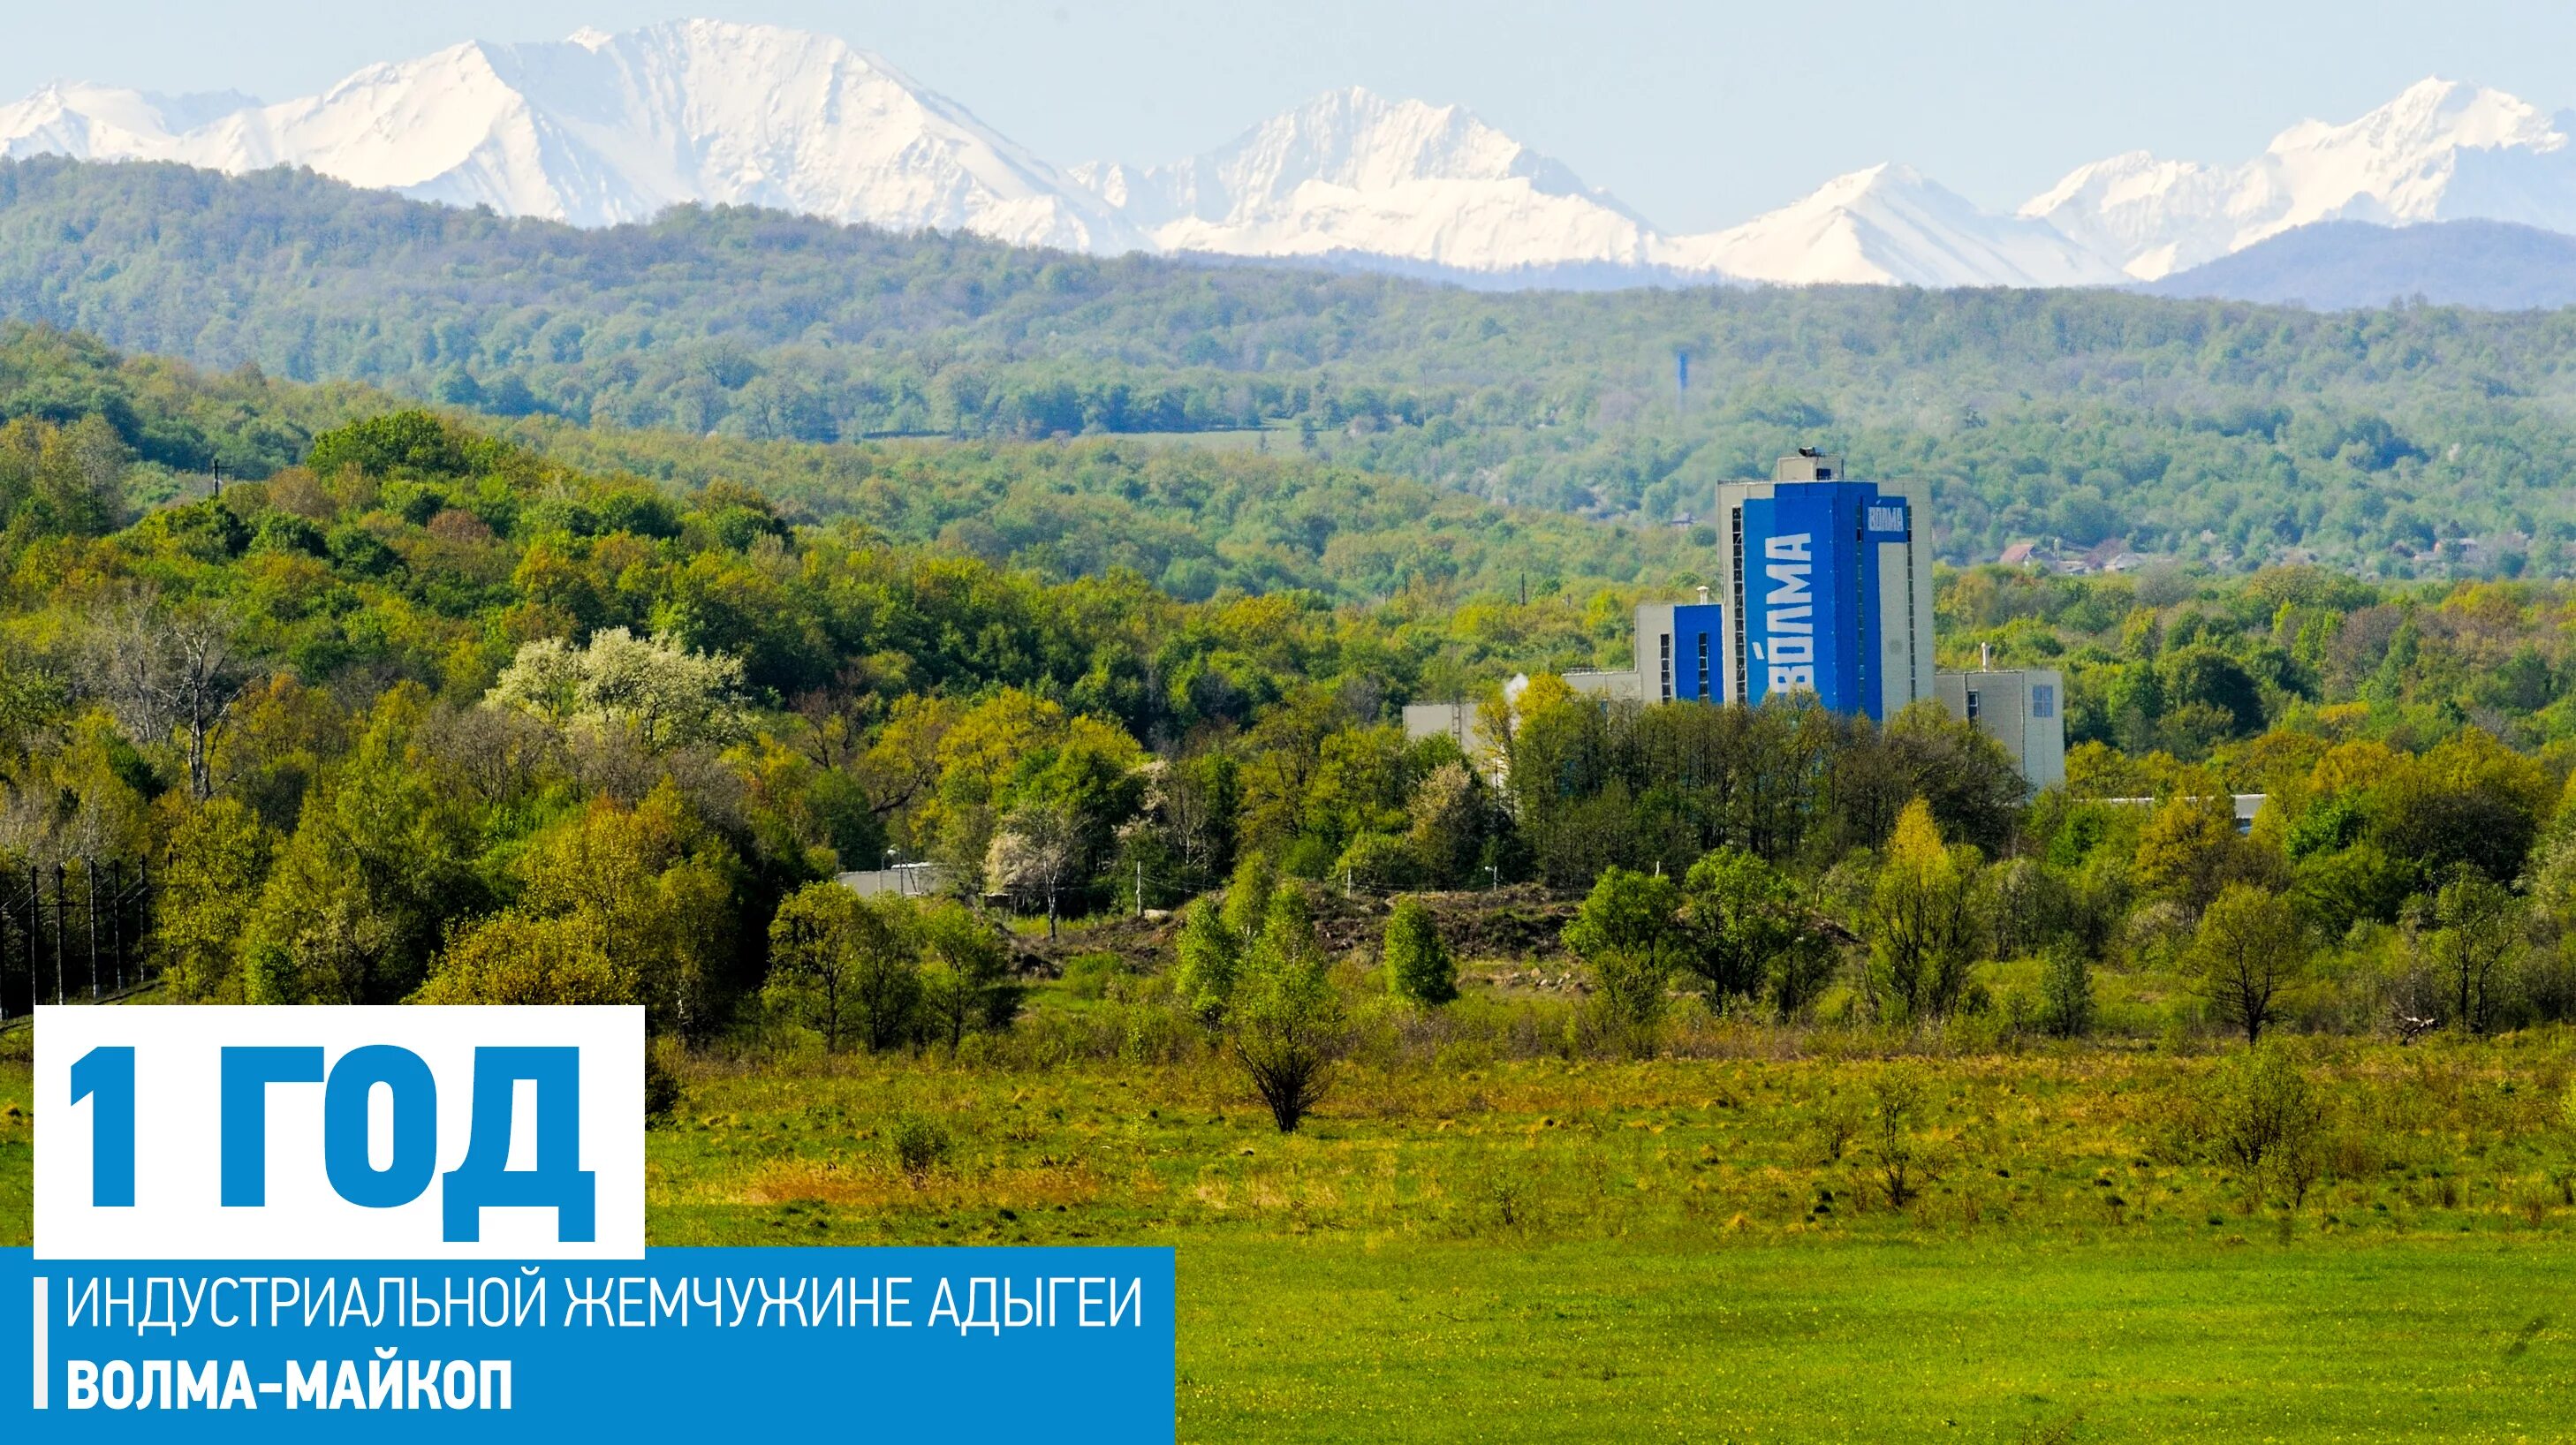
1824,586
2023,709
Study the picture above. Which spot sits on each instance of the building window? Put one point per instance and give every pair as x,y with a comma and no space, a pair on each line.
1666,642
1972,704
2043,700
1703,694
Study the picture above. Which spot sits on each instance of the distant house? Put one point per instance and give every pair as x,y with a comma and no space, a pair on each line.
2018,554
2114,556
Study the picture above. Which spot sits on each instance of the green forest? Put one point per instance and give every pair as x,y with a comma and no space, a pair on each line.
423,712
2378,442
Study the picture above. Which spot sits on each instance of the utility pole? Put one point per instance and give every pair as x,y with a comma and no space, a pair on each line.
1140,887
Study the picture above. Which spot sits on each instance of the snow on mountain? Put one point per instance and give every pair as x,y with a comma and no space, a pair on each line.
1350,172
2441,150
600,129
1887,225
103,123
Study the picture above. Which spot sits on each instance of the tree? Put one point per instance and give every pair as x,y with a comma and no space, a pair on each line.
512,957
213,865
656,691
1902,1162
1743,920
165,669
1418,966
1247,896
1924,929
965,983
653,885
841,964
2190,850
1627,931
62,480
1035,852
1453,819
1285,1025
2066,993
2267,1121
1209,952
2479,937
379,866
2249,948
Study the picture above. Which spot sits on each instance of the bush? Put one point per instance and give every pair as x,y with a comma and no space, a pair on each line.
1418,966
1901,1163
920,1144
2066,993
661,1088
2266,1121
1089,975
1286,1021
1626,929
1378,862
1210,954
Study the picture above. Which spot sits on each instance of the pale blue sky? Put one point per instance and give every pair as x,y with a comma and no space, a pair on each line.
1698,115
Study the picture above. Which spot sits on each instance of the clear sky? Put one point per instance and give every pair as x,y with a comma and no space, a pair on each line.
1697,115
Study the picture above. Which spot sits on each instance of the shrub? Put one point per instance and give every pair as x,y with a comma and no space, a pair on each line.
1626,930
1418,966
1901,1163
2267,1122
2066,993
1378,862
1286,1020
920,1144
661,1088
1210,955
1744,919
1088,975
1247,895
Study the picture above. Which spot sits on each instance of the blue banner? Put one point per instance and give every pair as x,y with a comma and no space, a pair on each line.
1023,1344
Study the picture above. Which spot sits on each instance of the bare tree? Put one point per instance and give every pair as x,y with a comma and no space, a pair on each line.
165,669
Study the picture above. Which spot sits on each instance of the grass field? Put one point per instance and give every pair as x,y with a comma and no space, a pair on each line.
2449,1340
1691,1249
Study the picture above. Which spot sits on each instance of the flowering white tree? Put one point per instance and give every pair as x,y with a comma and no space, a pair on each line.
653,688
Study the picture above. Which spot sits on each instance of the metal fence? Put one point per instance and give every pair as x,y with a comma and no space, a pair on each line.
71,933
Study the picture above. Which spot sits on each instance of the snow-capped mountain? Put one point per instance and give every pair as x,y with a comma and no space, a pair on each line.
599,129
1349,172
95,121
1887,225
2440,151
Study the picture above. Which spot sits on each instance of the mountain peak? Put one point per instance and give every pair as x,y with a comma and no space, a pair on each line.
1351,172
1888,225
2441,148
602,127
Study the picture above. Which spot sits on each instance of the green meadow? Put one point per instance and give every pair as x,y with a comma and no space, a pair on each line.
1704,1248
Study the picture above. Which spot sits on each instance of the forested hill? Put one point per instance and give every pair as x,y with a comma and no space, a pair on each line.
1193,522
2211,430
